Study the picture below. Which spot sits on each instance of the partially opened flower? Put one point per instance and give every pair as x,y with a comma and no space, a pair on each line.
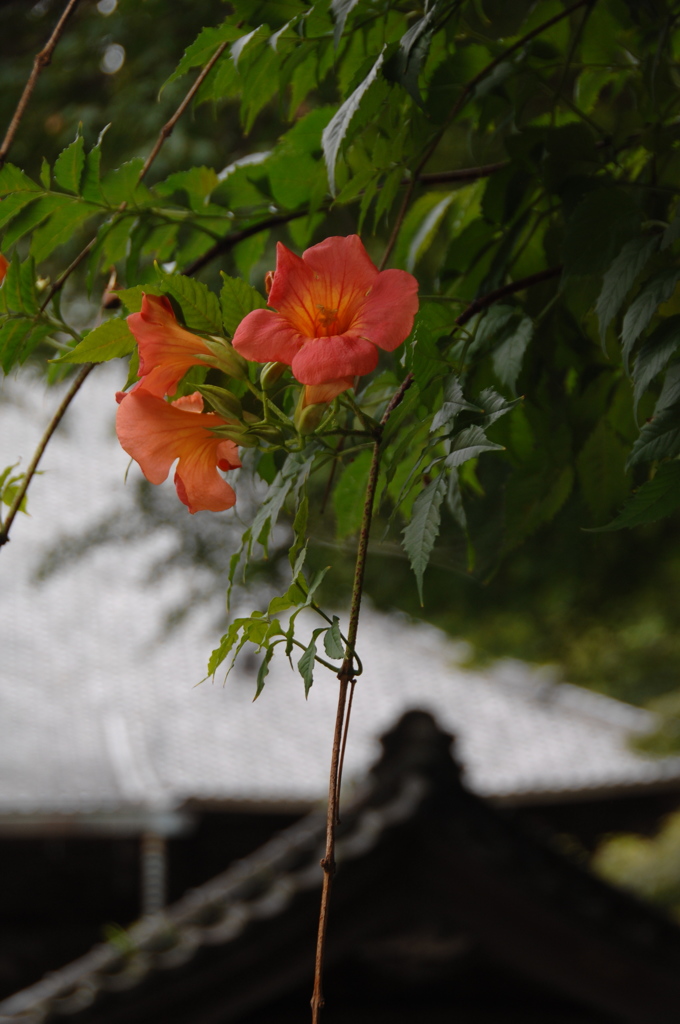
332,309
156,433
166,350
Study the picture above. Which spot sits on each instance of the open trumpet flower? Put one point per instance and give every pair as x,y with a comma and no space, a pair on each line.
156,433
331,312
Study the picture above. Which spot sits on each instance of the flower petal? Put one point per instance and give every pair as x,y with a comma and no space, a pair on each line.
155,433
166,350
4,264
315,394
267,337
322,360
386,316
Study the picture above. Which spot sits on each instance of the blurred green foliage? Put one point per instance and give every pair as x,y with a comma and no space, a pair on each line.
574,115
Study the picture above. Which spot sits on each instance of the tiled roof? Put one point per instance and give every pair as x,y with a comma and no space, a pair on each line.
524,902
101,718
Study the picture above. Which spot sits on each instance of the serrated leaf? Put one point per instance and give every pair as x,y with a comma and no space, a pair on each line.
108,341
659,439
406,64
653,293
226,644
294,596
68,167
601,466
203,47
122,183
200,306
670,390
620,278
336,130
60,228
454,402
306,662
508,356
31,216
45,174
237,299
349,495
468,444
18,337
421,533
13,179
655,353
13,204
494,405
340,9
263,671
299,536
18,288
332,640
654,500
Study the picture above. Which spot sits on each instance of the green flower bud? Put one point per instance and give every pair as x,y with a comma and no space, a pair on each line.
309,418
223,402
271,372
227,358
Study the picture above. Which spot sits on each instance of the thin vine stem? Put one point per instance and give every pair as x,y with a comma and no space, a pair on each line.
164,134
40,61
462,100
346,677
38,454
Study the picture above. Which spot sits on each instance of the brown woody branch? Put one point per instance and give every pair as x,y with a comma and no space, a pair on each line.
40,61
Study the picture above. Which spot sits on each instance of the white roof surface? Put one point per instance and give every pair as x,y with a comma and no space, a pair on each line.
99,714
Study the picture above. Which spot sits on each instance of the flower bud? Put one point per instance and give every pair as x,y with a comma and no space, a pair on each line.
237,433
223,402
227,358
307,419
271,372
268,281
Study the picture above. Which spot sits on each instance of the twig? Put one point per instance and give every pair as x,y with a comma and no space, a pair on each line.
346,677
465,95
168,128
165,132
40,61
37,455
227,243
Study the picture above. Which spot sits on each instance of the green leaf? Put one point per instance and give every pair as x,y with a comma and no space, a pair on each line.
336,130
90,189
659,439
601,466
509,355
13,179
38,211
654,500
237,299
299,535
453,403
620,278
60,228
332,640
294,596
108,341
306,662
340,9
13,204
407,63
121,185
263,671
200,306
421,533
601,224
653,293
468,444
655,353
19,336
68,167
349,495
18,288
45,174
203,47
494,405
